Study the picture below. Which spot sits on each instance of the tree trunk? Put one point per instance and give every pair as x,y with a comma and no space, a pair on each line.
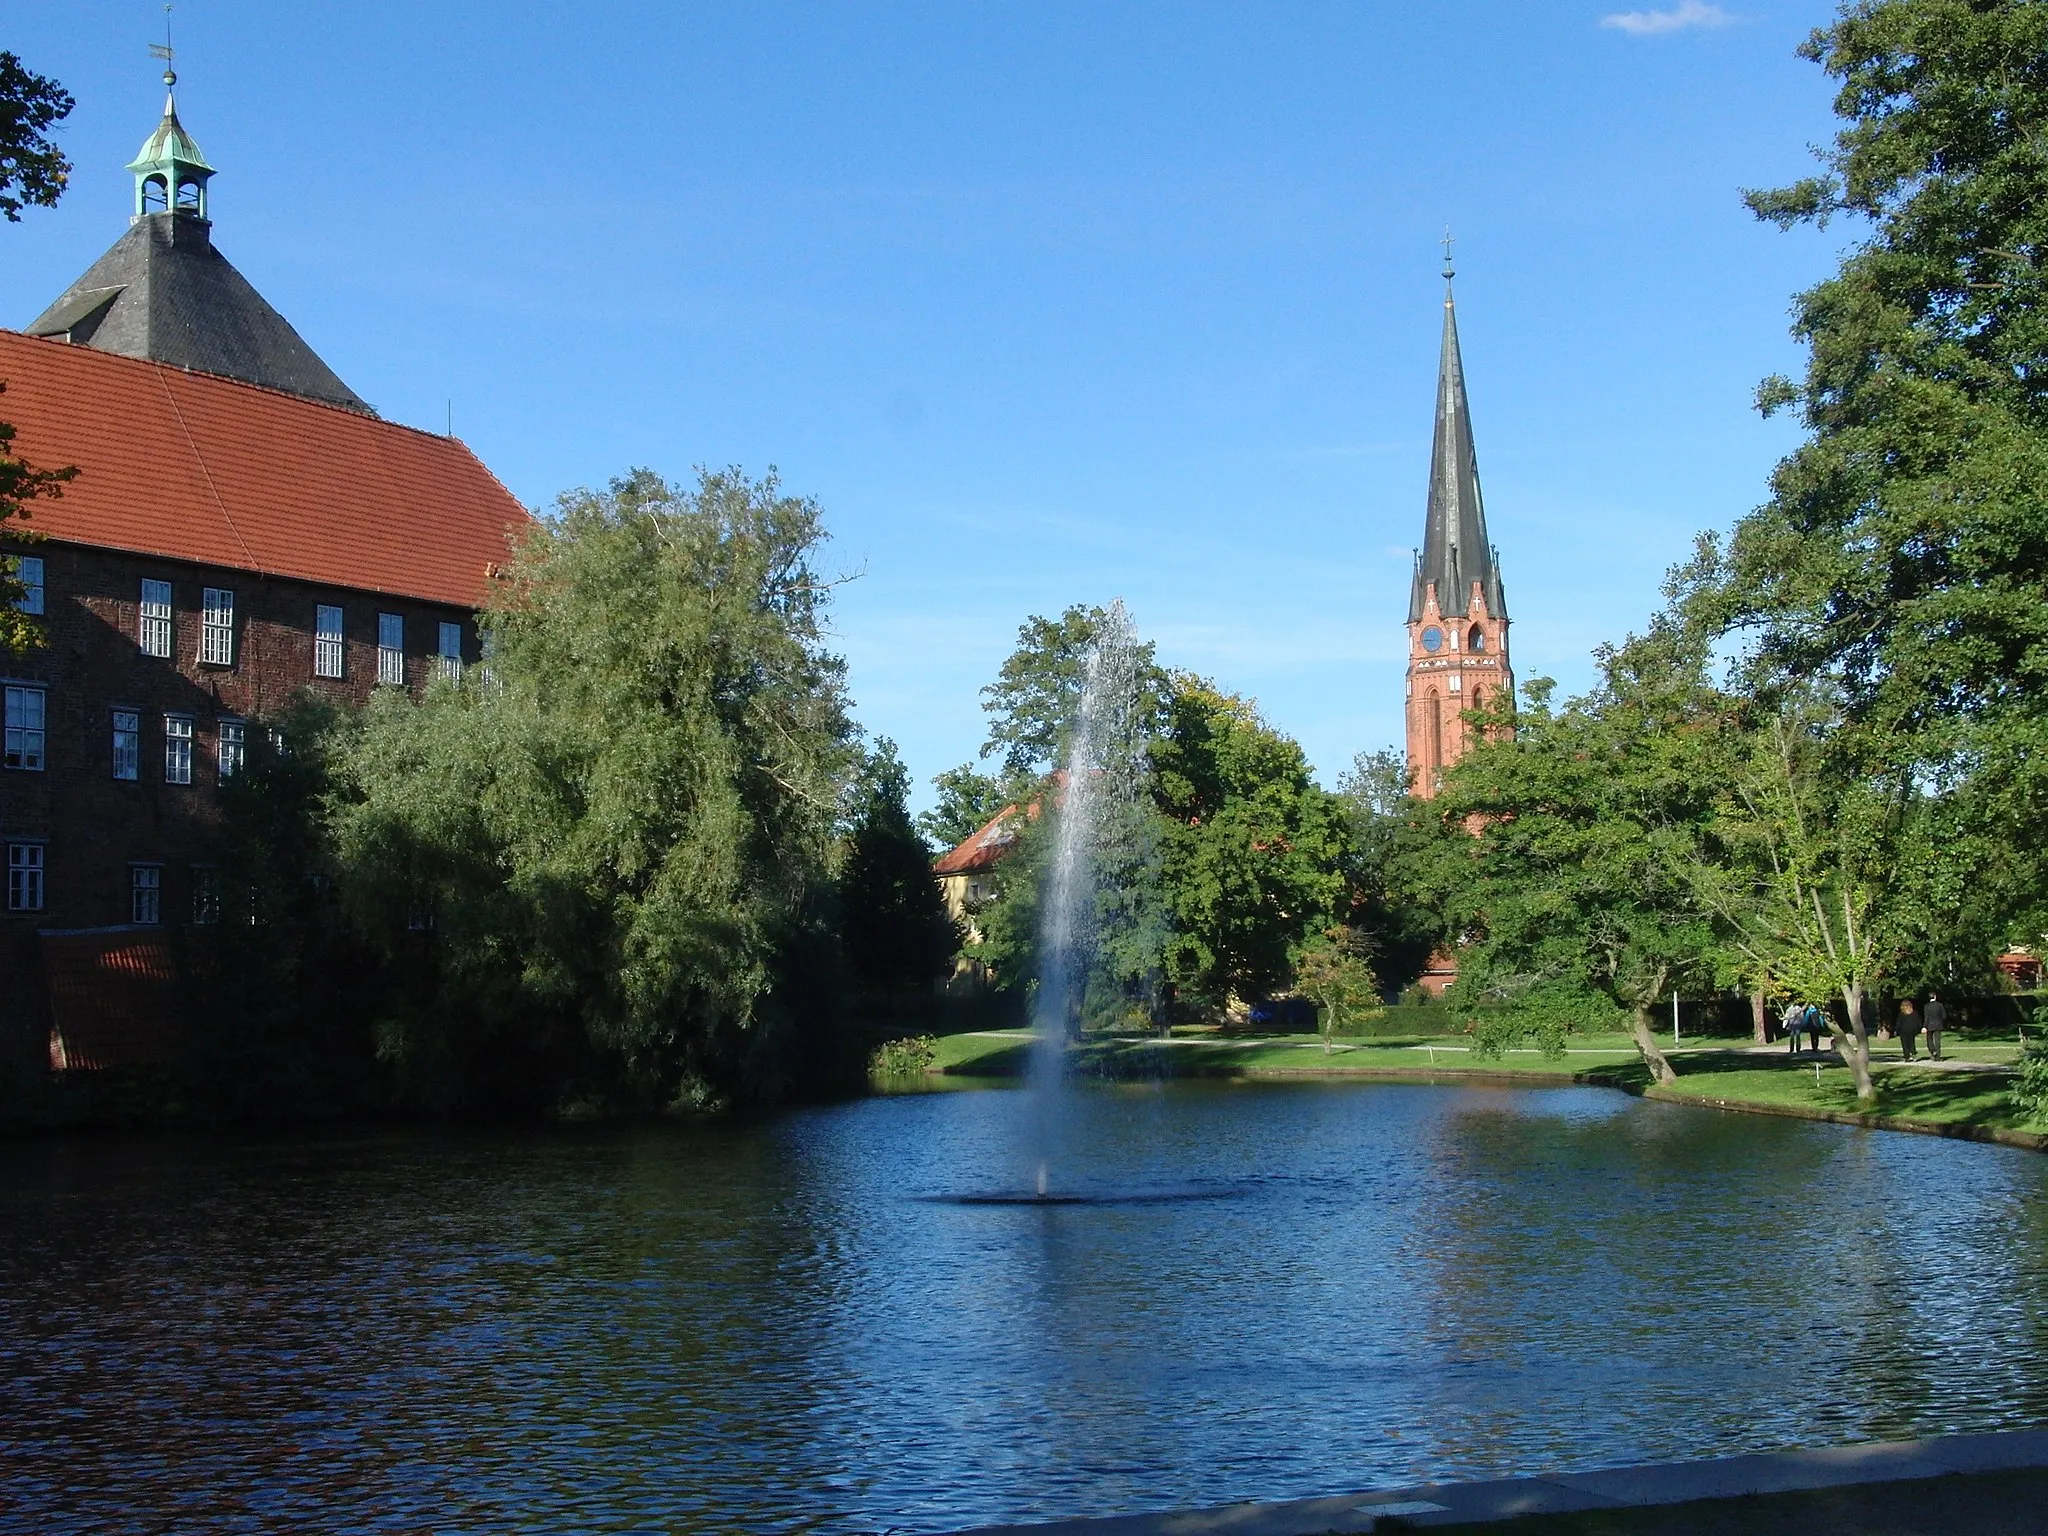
1646,1042
1759,1025
1855,1045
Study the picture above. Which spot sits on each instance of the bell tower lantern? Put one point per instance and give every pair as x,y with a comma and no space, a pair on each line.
170,172
1457,610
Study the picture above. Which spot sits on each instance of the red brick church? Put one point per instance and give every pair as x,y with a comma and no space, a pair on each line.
242,528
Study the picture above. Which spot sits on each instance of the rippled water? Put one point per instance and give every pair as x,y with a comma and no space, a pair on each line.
776,1327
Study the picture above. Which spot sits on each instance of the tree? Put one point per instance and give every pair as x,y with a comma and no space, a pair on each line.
1375,795
1333,969
1255,852
33,172
1036,697
612,858
1562,854
967,799
892,915
1902,560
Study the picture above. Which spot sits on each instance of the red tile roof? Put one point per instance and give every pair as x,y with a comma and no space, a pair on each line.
195,467
113,998
984,849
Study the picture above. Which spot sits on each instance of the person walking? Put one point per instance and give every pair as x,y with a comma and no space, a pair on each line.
1794,1022
1907,1028
1816,1027
1934,1016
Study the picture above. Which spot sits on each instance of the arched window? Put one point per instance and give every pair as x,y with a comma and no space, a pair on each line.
155,198
1477,640
1435,708
189,198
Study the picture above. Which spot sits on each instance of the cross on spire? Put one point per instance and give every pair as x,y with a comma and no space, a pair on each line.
1449,273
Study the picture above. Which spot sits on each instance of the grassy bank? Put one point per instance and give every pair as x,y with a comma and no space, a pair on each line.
1969,1098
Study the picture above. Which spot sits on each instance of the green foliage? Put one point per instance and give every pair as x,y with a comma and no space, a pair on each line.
892,916
20,484
1333,969
903,1058
613,857
1374,795
1560,851
967,799
33,171
1036,697
1254,851
2030,1081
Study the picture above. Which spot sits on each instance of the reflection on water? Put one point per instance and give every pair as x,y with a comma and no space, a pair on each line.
794,1325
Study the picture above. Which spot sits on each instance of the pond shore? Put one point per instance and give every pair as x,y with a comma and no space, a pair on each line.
1964,1096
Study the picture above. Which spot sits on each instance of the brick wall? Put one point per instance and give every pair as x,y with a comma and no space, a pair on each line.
95,828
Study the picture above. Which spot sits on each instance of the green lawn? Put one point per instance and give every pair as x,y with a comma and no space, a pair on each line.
1720,1072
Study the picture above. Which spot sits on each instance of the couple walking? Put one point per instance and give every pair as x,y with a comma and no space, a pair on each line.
1910,1021
1804,1019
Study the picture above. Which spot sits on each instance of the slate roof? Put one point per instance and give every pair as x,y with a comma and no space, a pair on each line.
162,291
1455,549
215,471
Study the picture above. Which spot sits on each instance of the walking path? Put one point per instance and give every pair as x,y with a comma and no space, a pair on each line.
1967,1499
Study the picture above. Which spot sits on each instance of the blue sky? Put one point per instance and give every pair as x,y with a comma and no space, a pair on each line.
1045,303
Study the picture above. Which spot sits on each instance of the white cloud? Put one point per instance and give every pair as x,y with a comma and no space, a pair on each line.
1690,13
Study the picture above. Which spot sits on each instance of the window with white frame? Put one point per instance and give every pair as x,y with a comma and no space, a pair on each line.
217,627
450,652
127,744
26,736
326,641
24,877
153,627
177,749
28,570
145,893
232,742
391,648
205,894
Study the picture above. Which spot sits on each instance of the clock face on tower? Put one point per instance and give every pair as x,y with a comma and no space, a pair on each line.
1432,639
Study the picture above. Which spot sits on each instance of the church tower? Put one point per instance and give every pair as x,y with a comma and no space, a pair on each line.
1457,612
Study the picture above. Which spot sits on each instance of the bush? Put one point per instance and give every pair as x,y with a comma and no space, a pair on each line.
903,1058
2030,1084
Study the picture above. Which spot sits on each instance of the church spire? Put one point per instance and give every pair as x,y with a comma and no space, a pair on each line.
170,172
1455,549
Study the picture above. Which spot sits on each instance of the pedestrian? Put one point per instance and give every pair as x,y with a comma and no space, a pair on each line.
1816,1027
1906,1027
1934,1015
1794,1022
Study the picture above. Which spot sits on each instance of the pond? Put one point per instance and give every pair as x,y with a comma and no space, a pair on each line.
792,1325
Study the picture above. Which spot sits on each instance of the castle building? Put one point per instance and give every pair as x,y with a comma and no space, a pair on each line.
243,528
1457,611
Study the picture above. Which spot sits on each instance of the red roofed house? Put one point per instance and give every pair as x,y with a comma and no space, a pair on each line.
242,528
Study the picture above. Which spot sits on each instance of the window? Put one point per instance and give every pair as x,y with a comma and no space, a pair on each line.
326,641
217,628
391,648
232,743
153,631
28,570
25,734
24,877
205,895
145,894
177,749
450,652
127,744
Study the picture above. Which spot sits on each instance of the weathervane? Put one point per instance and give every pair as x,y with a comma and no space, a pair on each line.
164,51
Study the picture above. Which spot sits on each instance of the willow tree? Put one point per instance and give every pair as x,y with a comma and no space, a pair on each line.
610,855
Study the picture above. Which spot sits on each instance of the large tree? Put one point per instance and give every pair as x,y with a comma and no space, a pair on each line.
616,850
1902,560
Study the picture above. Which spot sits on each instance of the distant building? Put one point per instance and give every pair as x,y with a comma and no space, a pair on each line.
242,528
1457,608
